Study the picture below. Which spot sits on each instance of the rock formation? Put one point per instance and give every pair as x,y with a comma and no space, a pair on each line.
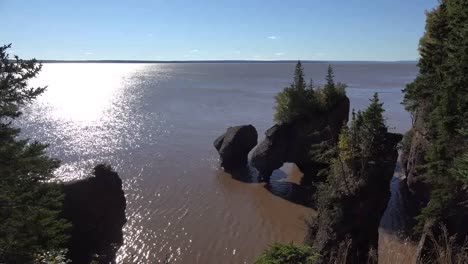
234,146
291,142
96,209
413,159
350,217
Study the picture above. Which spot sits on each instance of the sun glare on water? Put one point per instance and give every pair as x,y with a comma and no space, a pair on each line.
84,99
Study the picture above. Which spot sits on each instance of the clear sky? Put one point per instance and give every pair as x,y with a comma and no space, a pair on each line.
215,29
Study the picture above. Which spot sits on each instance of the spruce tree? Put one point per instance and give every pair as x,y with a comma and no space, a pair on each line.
439,96
330,79
330,88
299,81
30,204
302,100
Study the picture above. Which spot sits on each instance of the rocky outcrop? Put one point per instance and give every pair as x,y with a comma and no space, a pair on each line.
413,158
234,146
96,209
291,142
349,217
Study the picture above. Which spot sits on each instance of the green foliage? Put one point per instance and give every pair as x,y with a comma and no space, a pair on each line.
53,257
299,81
322,152
29,203
329,89
405,144
14,89
301,100
460,168
281,253
440,94
364,139
358,145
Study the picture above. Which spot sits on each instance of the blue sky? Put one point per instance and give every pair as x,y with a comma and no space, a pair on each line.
215,29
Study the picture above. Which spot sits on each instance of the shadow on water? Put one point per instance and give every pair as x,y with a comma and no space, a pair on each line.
245,174
293,192
279,185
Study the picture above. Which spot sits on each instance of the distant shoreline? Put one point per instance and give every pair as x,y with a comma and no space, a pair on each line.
219,61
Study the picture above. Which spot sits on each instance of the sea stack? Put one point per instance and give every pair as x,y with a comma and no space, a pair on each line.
234,146
95,207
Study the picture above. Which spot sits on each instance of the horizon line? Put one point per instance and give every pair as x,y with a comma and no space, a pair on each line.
220,61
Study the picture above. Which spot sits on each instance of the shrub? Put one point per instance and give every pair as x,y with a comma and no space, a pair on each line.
282,253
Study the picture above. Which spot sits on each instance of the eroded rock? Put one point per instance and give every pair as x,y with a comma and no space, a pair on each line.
234,146
95,207
351,216
291,142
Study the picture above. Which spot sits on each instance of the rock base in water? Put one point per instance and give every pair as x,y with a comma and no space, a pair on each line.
234,146
292,142
96,208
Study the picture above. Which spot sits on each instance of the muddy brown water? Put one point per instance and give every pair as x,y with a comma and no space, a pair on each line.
155,123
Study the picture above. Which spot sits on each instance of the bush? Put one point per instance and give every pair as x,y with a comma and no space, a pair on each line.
281,253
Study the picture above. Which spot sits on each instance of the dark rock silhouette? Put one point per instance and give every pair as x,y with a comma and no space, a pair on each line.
291,142
413,161
354,211
234,146
96,208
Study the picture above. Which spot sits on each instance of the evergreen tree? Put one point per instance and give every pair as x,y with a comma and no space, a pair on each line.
30,203
329,89
330,79
311,85
302,100
365,138
299,81
439,96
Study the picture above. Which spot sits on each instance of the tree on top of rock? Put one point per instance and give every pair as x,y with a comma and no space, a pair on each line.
364,139
300,100
439,97
299,82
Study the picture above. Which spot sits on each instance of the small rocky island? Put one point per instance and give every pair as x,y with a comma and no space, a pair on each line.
234,146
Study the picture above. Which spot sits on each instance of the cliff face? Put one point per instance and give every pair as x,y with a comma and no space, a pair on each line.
413,159
291,142
350,217
96,208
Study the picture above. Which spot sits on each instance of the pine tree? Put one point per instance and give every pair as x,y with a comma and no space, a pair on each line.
29,203
299,81
330,79
302,100
439,96
330,87
365,137
311,85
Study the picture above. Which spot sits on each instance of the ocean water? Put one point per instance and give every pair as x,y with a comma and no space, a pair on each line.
155,124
